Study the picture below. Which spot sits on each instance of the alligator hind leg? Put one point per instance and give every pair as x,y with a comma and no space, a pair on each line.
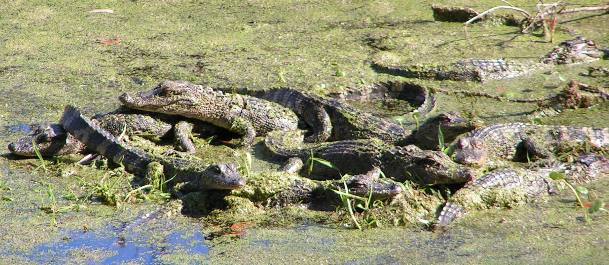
293,165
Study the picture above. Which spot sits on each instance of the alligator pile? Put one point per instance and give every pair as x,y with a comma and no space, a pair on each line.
500,164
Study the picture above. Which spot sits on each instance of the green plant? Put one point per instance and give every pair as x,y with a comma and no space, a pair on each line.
42,163
245,163
360,206
441,144
156,186
51,208
590,206
416,115
312,160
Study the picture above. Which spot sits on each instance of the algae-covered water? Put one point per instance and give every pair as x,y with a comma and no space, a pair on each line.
55,53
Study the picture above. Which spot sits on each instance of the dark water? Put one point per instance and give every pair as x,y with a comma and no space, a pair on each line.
127,249
18,128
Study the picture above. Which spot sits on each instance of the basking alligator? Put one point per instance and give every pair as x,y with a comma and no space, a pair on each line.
242,114
333,120
363,185
575,95
360,156
507,187
521,142
192,172
51,139
577,50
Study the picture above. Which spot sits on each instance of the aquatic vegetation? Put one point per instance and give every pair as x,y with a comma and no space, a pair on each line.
52,207
590,205
244,162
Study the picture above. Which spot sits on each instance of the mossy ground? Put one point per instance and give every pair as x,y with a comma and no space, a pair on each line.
58,53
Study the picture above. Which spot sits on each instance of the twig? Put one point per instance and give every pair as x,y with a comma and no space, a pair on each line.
526,14
541,13
584,9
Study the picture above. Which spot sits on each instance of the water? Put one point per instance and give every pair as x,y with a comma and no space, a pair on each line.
132,248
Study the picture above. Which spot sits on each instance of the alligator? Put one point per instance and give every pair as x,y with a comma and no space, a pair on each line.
246,115
578,50
333,120
361,155
450,124
51,139
193,172
367,185
493,145
575,95
513,186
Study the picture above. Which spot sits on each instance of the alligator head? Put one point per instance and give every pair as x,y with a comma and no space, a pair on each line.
222,176
49,139
426,166
470,151
370,184
452,124
170,97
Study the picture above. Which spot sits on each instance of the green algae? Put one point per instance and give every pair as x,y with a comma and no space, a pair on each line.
52,50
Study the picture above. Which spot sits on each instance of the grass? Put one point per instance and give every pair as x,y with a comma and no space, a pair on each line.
441,143
41,162
363,206
52,206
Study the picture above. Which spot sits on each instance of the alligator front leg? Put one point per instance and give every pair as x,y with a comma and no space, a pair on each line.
245,128
181,133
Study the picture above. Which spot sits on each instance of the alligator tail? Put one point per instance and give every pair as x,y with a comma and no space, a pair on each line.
102,142
450,212
285,144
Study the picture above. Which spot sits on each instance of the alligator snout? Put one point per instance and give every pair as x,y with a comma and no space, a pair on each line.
125,98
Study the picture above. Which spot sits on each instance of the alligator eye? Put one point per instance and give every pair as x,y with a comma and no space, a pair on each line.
215,169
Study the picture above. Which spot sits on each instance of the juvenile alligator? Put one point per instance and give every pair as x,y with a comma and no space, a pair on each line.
575,95
360,156
522,142
513,186
51,139
577,50
197,175
333,120
242,114
363,185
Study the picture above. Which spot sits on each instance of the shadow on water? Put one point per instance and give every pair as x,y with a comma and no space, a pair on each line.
123,249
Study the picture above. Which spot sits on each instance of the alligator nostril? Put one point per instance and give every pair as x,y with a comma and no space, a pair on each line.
11,147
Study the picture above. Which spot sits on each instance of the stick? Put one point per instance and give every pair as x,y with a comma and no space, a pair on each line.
526,14
585,9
